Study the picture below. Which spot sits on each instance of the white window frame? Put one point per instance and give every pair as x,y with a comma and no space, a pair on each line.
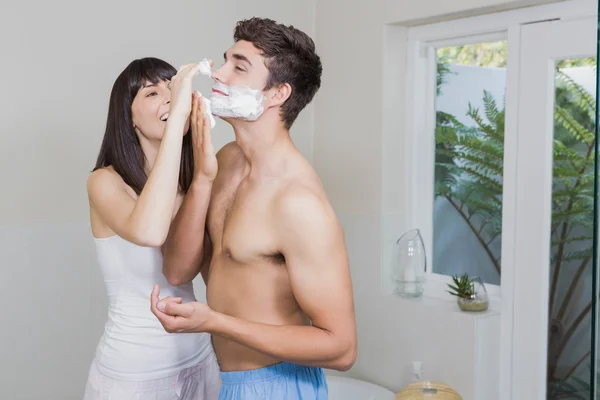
421,155
419,105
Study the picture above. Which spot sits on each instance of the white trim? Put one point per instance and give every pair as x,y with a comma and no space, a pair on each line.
562,39
416,127
534,184
423,183
509,216
500,21
462,40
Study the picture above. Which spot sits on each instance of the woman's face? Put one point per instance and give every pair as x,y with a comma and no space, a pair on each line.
150,110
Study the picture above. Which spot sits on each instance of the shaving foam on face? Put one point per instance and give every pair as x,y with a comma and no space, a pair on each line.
237,102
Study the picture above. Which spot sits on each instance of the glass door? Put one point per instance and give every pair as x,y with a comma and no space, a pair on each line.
554,271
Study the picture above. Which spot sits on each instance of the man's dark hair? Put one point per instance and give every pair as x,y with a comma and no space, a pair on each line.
290,57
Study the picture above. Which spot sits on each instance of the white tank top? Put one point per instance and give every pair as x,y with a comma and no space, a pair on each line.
135,345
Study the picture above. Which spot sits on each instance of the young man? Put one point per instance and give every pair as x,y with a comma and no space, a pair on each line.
280,304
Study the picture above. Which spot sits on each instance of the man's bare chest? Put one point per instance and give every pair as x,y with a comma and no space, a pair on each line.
240,220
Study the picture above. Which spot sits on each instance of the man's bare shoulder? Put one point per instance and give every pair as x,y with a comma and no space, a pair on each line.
304,200
232,166
231,156
305,221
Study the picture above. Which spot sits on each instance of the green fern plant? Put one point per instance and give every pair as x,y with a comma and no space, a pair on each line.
469,172
469,168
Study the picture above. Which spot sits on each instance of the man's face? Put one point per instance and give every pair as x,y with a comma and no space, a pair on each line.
244,66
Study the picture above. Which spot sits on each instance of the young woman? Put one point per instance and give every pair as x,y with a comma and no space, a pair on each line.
145,166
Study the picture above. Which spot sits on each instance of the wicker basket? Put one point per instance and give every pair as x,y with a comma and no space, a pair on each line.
428,391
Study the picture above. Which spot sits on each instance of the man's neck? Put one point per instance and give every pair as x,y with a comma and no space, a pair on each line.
263,145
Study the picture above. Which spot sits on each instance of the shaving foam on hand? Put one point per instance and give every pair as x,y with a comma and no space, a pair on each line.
204,68
207,107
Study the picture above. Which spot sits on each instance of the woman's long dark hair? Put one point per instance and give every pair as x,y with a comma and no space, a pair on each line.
121,147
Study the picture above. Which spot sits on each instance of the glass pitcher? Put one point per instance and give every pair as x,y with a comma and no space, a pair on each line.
409,264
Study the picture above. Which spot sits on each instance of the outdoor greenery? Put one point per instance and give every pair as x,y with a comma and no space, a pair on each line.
468,174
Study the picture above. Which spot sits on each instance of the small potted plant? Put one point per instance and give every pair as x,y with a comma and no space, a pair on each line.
471,293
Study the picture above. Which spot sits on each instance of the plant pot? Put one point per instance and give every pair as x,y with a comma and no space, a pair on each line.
476,304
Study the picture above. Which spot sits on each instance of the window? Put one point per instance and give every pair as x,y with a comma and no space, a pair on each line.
455,157
469,156
498,162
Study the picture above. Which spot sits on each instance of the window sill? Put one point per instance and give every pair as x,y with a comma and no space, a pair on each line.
436,288
450,305
443,301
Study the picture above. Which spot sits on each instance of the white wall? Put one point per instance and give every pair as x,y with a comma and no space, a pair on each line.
352,122
60,60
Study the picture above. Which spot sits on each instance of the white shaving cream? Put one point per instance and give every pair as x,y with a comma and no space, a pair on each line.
237,102
204,68
208,111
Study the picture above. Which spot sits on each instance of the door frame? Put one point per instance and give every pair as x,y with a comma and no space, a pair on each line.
562,39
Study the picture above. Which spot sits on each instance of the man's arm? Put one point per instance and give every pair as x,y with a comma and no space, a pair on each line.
184,249
317,262
188,248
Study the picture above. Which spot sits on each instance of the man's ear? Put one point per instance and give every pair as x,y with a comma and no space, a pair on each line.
280,94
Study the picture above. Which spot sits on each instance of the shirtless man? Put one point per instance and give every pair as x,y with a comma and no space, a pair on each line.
280,304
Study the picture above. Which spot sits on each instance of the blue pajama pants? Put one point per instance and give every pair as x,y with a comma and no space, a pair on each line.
282,381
